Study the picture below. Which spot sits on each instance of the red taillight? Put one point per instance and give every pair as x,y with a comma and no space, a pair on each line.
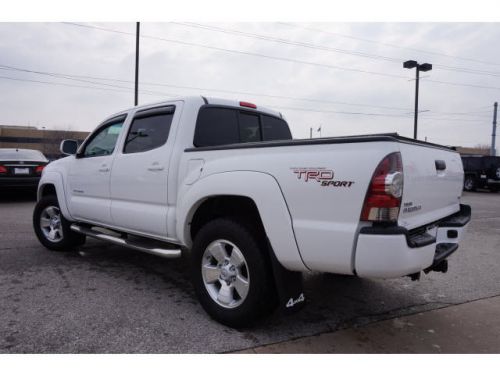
3,169
383,199
39,169
247,104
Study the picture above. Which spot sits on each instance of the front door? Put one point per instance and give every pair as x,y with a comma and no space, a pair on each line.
89,174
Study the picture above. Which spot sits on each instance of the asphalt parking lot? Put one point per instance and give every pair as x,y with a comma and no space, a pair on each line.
108,299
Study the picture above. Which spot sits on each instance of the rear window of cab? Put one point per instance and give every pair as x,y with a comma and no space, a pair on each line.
218,126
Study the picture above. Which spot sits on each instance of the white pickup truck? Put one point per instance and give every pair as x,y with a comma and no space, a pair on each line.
223,182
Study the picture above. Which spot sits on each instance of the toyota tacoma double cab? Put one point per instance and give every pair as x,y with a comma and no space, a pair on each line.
223,183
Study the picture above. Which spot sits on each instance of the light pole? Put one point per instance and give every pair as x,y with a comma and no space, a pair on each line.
410,64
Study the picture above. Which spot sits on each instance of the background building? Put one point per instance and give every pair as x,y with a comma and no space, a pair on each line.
46,141
480,150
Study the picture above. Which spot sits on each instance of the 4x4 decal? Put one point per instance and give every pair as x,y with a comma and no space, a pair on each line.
322,175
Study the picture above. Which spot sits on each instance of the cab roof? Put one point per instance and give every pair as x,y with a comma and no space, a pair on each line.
203,100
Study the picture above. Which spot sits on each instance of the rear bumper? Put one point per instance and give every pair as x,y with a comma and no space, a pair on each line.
395,251
10,182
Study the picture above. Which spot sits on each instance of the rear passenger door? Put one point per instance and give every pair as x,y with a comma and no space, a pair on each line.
140,172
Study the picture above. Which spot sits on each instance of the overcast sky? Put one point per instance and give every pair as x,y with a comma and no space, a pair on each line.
349,80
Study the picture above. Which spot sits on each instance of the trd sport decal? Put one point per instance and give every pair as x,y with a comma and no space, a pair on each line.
322,175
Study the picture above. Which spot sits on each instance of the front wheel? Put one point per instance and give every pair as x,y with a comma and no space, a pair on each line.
231,273
51,228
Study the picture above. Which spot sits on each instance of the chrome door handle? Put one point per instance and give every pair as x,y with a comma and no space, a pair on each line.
154,169
103,169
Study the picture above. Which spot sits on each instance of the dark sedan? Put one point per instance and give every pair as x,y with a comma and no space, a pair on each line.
21,167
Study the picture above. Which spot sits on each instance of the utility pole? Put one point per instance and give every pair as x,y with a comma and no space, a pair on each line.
494,132
310,133
136,97
44,140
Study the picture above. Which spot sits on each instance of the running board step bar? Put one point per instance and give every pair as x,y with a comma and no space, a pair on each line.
146,245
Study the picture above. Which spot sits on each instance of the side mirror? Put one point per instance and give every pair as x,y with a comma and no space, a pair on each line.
69,147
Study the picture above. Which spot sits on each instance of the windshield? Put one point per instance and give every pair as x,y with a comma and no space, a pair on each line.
19,154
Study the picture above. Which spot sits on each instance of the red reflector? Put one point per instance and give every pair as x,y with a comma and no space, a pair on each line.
247,104
3,169
39,169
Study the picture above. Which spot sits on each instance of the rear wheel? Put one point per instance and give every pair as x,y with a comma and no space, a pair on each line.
51,228
469,183
231,273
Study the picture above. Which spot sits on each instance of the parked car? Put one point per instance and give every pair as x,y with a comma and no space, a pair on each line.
21,168
481,172
223,183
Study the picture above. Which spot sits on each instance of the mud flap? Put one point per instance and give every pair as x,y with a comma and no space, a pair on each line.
289,286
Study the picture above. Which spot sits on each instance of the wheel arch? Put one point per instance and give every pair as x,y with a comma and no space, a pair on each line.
52,184
218,206
250,193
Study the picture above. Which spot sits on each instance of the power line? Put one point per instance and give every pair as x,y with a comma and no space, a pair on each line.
83,78
109,89
283,41
462,84
470,114
330,49
79,78
390,45
58,83
293,108
341,112
368,114
78,86
451,119
76,78
246,53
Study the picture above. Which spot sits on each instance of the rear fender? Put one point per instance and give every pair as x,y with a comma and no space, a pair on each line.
265,192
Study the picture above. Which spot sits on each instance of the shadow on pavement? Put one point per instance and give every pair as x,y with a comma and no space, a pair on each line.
17,195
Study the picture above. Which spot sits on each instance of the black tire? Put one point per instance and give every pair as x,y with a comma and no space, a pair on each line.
261,297
469,183
68,240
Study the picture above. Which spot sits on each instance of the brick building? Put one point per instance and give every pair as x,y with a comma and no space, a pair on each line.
44,140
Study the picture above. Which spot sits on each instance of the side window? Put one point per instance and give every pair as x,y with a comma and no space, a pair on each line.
104,141
148,131
221,126
249,127
274,129
216,126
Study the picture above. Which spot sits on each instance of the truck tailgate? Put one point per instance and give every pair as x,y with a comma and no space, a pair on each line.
433,180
